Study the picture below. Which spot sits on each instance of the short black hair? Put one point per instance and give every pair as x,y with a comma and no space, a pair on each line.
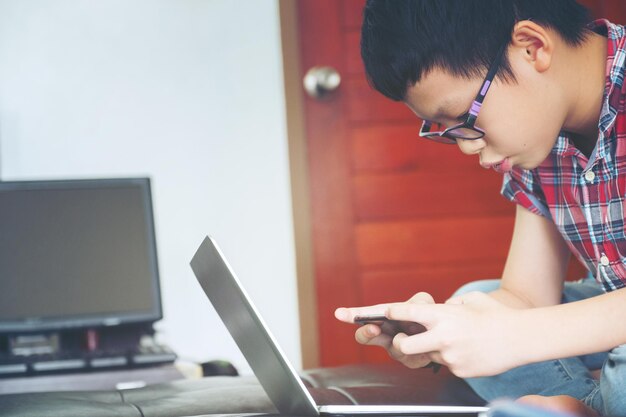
401,40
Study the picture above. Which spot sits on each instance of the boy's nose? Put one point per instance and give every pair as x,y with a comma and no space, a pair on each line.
471,147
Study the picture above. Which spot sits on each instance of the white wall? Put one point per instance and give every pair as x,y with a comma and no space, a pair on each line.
188,92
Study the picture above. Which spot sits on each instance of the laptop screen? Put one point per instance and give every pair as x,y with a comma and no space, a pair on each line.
77,253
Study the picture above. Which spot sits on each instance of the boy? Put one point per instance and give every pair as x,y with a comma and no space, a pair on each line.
549,114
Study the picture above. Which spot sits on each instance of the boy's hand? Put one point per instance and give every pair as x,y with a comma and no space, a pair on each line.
473,335
372,334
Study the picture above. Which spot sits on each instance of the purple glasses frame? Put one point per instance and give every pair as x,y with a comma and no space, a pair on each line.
466,130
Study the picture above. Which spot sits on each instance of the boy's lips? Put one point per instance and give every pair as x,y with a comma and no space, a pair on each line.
504,165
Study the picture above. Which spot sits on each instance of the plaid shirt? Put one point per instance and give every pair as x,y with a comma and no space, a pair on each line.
584,197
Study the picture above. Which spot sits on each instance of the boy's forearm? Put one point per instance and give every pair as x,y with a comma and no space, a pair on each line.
573,329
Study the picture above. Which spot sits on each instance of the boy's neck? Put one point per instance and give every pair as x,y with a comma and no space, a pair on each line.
587,83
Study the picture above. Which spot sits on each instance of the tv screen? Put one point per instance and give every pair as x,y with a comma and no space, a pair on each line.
77,253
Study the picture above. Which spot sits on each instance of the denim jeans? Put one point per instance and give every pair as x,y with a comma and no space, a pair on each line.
569,376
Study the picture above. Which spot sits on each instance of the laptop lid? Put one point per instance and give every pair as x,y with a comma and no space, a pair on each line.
276,375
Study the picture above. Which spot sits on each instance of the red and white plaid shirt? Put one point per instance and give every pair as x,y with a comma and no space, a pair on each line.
584,197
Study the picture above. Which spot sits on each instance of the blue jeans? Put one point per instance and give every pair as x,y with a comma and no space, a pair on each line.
569,376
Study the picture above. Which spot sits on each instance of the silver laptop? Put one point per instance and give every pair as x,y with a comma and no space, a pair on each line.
270,365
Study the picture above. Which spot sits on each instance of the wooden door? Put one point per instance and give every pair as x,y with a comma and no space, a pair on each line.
391,215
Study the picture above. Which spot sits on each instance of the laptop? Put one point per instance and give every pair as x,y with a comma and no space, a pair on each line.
268,362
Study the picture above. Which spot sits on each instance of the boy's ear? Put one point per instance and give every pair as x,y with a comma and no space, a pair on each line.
535,43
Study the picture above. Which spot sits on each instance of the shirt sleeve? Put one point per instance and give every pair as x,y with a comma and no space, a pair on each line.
523,187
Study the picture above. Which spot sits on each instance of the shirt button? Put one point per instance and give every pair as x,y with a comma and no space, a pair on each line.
590,176
604,260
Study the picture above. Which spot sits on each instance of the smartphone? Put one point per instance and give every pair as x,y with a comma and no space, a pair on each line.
390,327
393,327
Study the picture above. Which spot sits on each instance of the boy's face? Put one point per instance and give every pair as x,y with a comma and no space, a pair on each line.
521,120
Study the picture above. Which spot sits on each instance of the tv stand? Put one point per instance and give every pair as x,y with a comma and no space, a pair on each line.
92,381
82,350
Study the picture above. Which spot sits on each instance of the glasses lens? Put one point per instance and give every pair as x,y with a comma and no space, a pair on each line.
439,139
433,131
465,133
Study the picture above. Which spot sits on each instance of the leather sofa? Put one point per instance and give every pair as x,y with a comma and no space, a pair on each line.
363,384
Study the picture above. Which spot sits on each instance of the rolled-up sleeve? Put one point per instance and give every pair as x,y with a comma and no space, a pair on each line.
522,187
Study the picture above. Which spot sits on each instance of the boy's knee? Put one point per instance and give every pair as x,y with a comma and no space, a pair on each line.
612,382
483,285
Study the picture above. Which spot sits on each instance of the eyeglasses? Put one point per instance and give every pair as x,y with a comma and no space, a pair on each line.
465,130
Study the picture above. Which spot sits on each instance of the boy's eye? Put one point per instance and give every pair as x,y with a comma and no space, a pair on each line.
451,122
438,127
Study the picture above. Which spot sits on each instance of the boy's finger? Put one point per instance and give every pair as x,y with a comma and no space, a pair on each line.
422,297
424,314
371,334
455,300
347,314
343,314
366,333
416,344
416,361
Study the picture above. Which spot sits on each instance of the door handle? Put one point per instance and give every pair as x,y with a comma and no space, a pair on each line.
320,81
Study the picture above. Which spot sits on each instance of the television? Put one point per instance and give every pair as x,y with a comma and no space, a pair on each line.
77,254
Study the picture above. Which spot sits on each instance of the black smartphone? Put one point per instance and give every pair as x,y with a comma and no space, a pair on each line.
393,327
390,327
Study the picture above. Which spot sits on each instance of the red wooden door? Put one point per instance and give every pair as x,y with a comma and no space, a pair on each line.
391,214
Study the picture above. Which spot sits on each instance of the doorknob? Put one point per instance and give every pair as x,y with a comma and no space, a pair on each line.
320,81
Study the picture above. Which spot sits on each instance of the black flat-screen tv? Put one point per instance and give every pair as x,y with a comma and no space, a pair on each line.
77,254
